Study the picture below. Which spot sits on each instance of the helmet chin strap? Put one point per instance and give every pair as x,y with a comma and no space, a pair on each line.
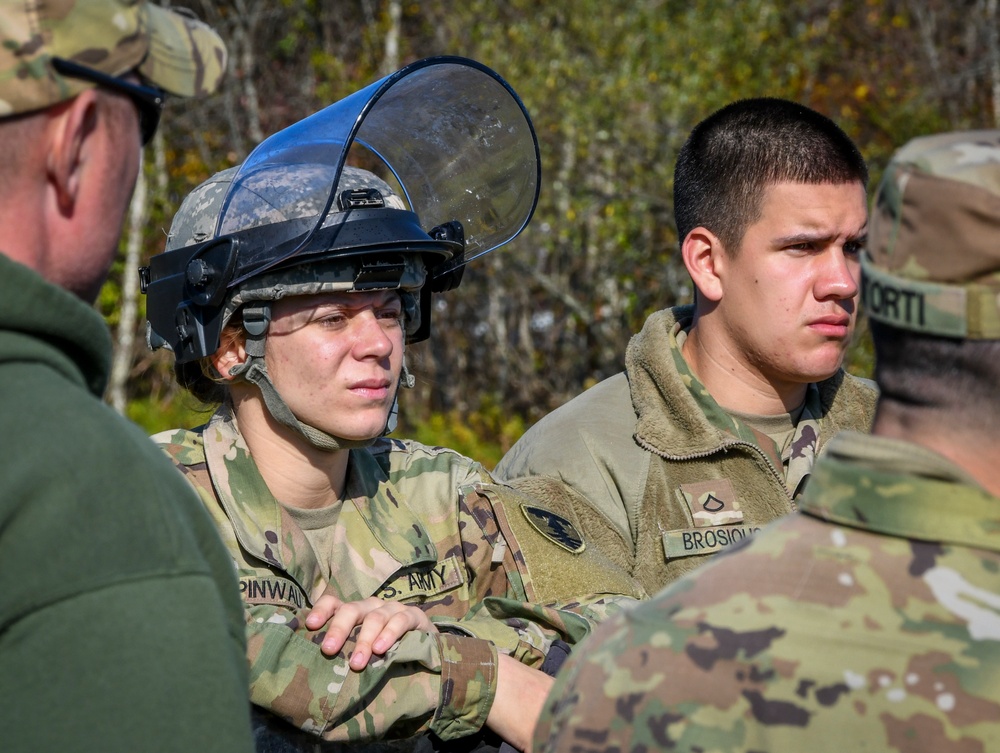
405,380
256,317
256,373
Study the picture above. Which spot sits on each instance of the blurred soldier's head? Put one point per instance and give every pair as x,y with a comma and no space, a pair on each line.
931,284
82,85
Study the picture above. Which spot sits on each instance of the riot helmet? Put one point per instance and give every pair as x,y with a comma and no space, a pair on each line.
448,133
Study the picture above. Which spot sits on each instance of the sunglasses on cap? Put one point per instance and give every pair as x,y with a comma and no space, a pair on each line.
148,100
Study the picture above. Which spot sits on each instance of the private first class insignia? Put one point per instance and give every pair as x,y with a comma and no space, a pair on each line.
717,517
712,503
555,528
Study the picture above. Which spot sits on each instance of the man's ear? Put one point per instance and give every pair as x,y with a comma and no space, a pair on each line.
72,126
704,257
227,357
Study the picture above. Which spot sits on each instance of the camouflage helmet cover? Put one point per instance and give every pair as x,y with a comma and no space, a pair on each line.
285,197
170,49
933,258
300,195
303,192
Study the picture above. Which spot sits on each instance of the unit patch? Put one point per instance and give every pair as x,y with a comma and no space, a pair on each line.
430,581
555,528
712,503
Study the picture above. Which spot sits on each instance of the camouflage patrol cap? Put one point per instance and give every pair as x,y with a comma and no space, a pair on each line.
933,258
170,49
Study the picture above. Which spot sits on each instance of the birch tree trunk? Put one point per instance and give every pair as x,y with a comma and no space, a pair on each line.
121,363
391,60
245,32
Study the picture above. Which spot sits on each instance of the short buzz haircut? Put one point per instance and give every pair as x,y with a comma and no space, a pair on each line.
735,153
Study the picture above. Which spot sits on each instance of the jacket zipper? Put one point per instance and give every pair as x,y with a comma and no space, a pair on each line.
721,448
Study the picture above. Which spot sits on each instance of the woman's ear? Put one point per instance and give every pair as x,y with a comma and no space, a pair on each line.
228,357
704,257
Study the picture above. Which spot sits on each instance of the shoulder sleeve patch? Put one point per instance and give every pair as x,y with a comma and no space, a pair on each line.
554,527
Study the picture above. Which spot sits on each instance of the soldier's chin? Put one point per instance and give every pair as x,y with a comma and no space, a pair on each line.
361,432
826,368
822,364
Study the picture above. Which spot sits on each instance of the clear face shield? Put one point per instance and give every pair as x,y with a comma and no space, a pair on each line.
448,135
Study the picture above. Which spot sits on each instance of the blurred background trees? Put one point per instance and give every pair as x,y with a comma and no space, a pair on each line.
613,87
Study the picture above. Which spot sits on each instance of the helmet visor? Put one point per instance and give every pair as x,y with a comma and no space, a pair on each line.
450,131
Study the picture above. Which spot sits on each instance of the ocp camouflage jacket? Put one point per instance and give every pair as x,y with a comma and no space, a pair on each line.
660,476
869,622
418,526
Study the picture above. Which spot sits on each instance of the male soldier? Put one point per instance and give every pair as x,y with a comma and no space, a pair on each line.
871,621
120,624
712,429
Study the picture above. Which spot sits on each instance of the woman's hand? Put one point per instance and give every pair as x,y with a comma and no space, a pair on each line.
382,624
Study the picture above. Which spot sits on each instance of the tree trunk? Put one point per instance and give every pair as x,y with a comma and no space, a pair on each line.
125,335
246,32
391,60
993,49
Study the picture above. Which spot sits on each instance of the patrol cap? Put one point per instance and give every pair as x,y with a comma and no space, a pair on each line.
933,259
169,48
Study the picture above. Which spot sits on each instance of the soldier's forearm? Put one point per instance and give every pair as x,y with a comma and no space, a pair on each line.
444,683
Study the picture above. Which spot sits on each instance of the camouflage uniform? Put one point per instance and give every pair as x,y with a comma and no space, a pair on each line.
876,631
650,452
872,620
420,525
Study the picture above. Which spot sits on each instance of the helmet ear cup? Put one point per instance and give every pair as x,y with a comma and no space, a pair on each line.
210,270
423,330
180,287
448,274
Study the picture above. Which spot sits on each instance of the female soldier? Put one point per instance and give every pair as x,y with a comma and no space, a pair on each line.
311,501
295,319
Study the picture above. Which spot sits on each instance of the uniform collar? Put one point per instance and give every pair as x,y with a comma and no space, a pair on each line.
669,421
379,531
679,418
901,489
57,327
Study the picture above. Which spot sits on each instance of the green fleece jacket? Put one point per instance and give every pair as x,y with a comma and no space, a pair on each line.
120,624
659,475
